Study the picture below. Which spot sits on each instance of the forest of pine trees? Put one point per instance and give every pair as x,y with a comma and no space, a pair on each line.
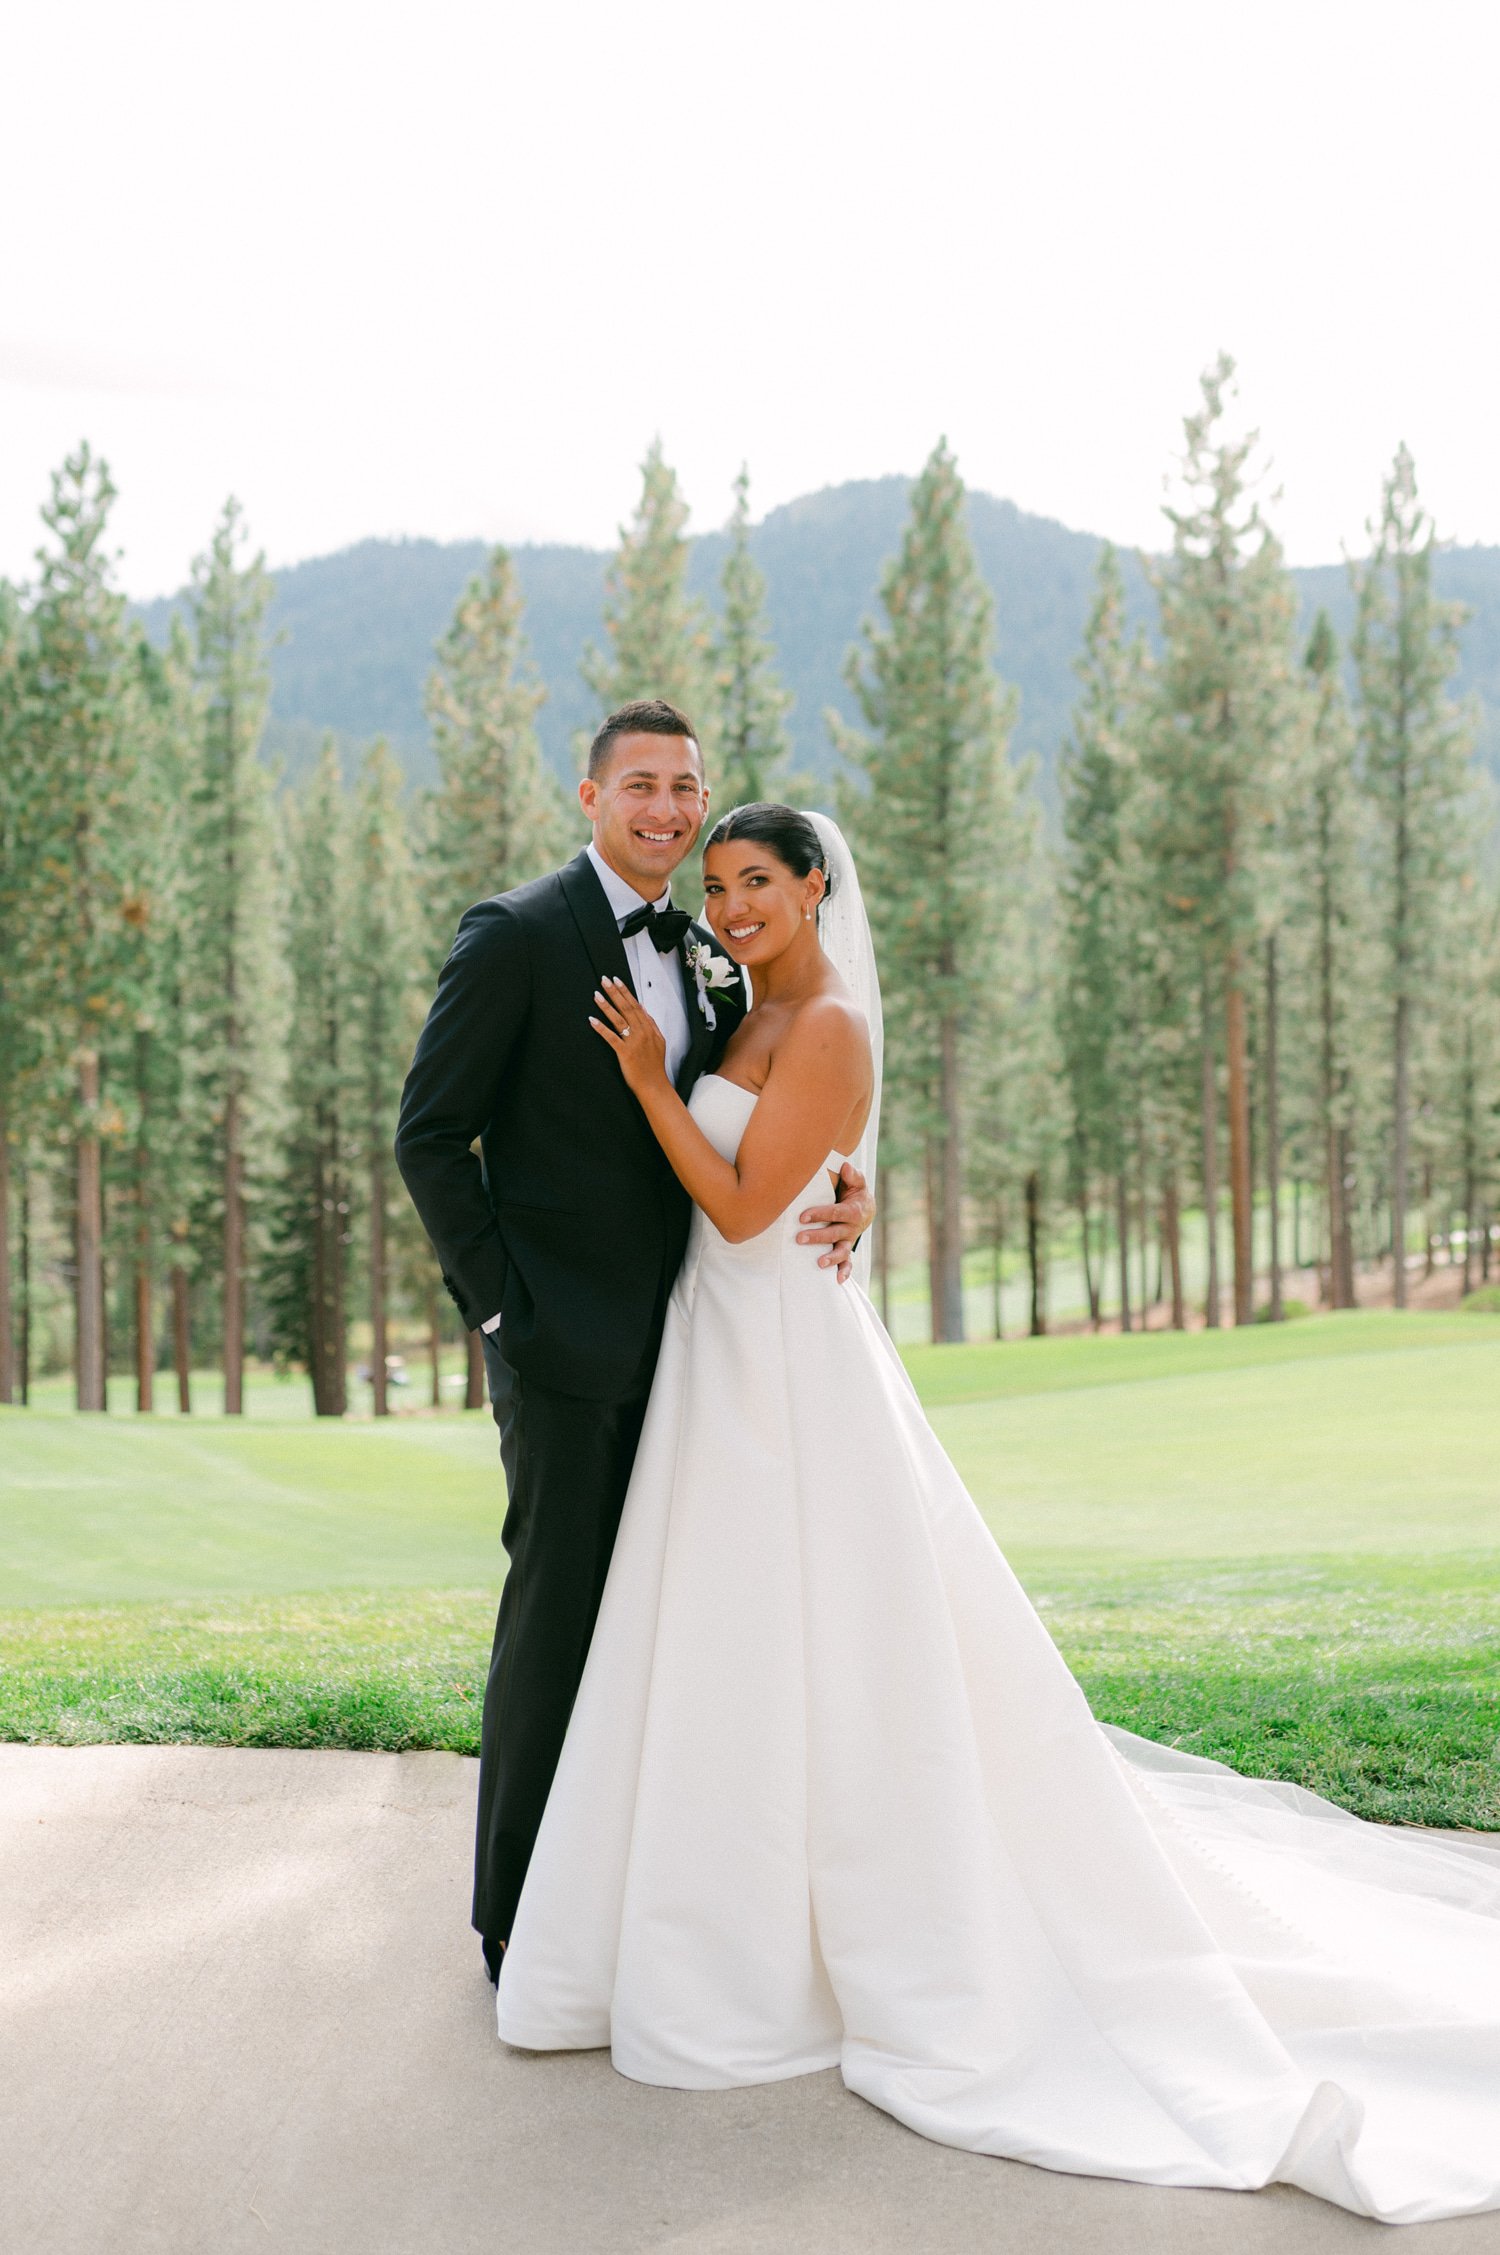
1238,1018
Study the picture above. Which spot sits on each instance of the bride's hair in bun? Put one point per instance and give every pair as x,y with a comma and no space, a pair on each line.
790,836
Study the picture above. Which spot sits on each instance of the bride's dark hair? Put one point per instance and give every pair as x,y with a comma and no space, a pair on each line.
790,836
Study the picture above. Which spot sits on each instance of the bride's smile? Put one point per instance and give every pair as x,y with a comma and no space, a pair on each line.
759,907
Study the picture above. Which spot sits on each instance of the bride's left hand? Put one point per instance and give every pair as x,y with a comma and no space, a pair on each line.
634,1036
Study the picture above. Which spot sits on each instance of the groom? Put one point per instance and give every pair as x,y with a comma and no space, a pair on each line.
560,1242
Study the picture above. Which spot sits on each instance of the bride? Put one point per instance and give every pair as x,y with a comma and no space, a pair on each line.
829,1795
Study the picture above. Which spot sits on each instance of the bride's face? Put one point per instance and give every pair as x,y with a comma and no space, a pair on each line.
754,903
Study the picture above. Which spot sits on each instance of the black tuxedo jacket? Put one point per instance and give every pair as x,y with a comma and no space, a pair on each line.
571,1225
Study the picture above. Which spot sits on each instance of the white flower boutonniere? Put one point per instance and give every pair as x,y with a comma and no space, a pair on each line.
712,974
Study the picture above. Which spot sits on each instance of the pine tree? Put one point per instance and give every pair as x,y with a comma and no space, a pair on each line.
311,1235
751,748
938,836
1226,617
1104,973
1014,1074
150,1170
384,1014
1467,1079
182,1165
497,818
1414,745
20,1031
1326,943
238,988
80,832
659,636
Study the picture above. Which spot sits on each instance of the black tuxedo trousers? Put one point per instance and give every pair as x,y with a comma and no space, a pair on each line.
567,1467
569,1225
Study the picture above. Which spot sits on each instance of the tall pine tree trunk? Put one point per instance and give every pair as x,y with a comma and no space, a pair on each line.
1471,1158
1034,1252
145,1345
474,1394
1090,1281
1210,1132
1241,1201
1400,1146
1273,1128
7,1305
327,1343
377,1272
948,1308
1122,1232
145,1355
234,1187
338,1311
234,1255
934,1240
1171,1229
317,1312
89,1242
435,1346
1401,1037
182,1336
23,1328
1344,1282
1335,1139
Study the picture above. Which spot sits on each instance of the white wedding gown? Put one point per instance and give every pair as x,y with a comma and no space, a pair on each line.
830,1797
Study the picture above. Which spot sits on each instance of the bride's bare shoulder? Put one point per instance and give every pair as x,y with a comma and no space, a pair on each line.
828,1030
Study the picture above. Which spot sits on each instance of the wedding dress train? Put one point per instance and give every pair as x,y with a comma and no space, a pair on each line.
830,1797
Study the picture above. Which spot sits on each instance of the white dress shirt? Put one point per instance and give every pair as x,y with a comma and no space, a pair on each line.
657,978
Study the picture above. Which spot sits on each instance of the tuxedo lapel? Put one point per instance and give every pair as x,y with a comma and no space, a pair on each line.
595,920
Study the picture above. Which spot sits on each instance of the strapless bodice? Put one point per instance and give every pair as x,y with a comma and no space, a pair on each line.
722,1108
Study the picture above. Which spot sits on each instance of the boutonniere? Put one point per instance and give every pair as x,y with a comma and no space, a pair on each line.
712,974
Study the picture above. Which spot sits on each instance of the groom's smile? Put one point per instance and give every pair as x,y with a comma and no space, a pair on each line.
647,800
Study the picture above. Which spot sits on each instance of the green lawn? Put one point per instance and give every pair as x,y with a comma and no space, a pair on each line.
1280,1546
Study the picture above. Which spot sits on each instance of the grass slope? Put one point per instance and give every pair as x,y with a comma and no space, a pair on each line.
1278,1547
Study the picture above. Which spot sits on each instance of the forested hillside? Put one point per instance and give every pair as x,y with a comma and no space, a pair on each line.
353,633
1262,946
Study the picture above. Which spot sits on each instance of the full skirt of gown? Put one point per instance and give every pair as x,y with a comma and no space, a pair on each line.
830,1797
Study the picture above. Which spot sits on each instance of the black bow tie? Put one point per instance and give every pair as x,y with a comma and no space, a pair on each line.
664,927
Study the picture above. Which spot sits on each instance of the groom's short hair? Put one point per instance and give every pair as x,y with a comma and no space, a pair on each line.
646,716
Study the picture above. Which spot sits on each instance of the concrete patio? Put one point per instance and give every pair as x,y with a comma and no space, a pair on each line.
241,2009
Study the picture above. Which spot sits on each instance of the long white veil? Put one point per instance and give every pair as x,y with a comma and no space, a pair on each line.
844,930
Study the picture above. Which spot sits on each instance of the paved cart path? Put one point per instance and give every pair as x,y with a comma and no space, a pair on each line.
241,2009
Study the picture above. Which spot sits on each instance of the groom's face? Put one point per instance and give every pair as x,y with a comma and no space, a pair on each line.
647,807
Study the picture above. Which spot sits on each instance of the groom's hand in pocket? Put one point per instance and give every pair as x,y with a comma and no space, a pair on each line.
840,1226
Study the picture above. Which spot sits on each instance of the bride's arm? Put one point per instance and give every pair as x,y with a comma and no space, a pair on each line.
816,1077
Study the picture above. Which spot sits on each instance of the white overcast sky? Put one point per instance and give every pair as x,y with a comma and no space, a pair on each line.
445,267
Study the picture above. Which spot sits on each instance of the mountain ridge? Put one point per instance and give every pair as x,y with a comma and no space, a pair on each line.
353,632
